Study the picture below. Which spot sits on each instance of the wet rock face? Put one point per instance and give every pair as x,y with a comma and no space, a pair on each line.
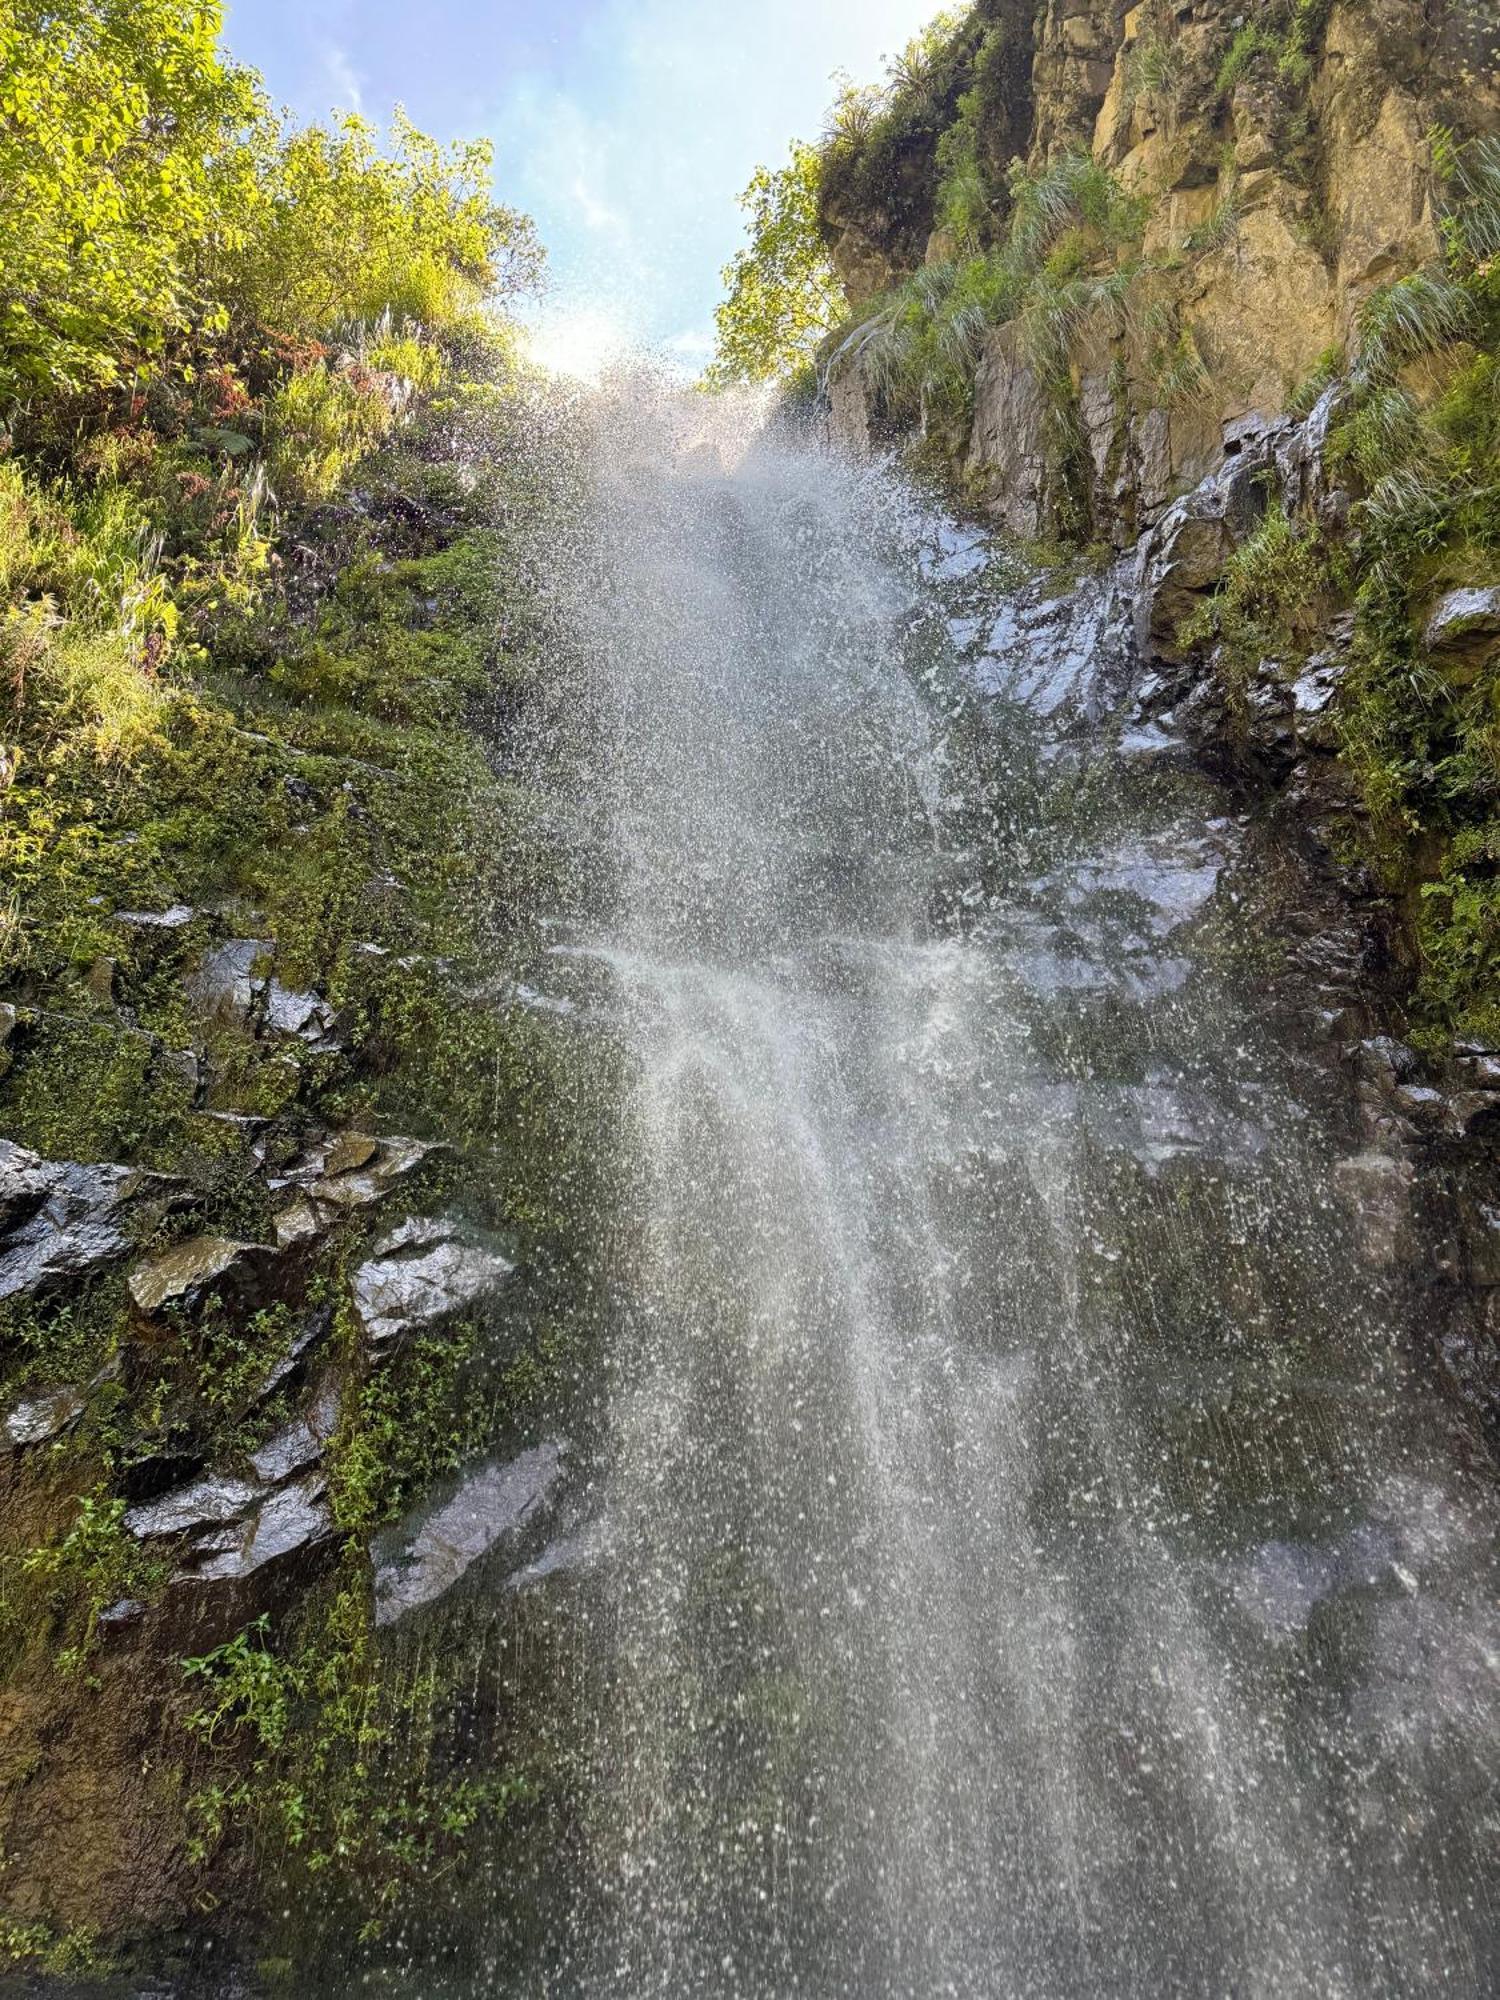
1464,631
62,1221
1010,450
491,1507
230,981
185,1270
228,1526
420,1274
1184,556
39,1418
342,1172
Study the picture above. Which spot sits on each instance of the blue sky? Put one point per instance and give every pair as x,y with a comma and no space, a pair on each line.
626,127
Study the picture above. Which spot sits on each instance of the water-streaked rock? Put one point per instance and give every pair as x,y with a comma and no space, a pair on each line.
436,1548
419,1274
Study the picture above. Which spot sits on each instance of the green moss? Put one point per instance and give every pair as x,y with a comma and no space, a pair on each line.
1418,436
95,1090
1458,933
55,1593
65,1954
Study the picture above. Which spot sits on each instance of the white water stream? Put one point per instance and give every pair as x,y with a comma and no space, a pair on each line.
1033,1566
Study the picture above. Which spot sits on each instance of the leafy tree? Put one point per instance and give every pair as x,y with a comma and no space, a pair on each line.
783,294
339,232
113,120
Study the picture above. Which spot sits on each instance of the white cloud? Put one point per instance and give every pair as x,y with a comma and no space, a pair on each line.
343,79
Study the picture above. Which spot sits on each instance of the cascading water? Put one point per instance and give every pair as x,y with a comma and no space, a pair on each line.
1017,1557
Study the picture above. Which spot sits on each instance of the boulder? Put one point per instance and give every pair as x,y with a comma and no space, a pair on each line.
294,1522
299,1444
490,1506
231,1526
227,983
1009,455
339,1173
1463,633
307,1016
420,1274
60,1220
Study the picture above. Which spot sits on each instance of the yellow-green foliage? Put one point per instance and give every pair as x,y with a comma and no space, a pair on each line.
148,192
60,1588
782,292
113,116
1419,434
321,422
338,233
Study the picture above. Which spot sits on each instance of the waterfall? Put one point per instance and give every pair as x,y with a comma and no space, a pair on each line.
1023,1556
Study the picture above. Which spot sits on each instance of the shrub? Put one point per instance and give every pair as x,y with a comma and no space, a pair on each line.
113,123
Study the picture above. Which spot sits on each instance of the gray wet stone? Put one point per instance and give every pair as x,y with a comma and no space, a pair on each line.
1466,625
209,1502
224,982
181,1272
307,1016
298,1444
436,1548
174,919
419,1274
61,1220
292,1522
44,1416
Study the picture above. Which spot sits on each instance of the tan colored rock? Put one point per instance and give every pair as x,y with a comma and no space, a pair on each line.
1263,308
182,1271
1380,199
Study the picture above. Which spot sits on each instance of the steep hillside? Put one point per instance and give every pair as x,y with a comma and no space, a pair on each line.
1137,247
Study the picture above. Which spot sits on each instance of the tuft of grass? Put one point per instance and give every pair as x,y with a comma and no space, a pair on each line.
1408,320
1253,45
1155,69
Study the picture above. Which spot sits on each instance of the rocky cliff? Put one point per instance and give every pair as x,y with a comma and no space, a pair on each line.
1215,288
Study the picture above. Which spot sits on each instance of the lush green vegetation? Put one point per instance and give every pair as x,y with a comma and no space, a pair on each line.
1419,431
919,345
267,470
782,294
1416,437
